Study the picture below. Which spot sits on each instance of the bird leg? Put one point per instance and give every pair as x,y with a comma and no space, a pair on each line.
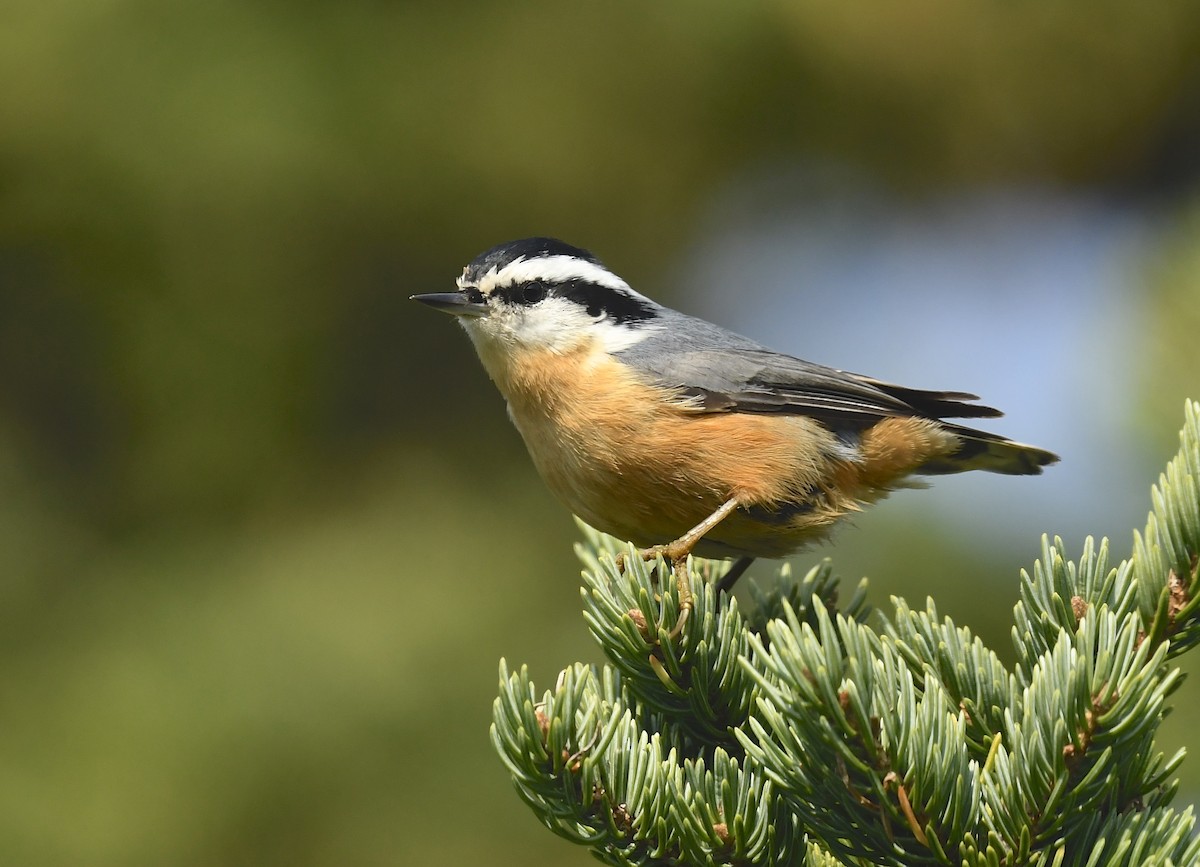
677,553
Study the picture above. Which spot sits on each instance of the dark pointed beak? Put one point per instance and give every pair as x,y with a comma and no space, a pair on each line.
455,303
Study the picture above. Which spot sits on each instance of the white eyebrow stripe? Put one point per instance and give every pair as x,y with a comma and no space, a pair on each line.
554,269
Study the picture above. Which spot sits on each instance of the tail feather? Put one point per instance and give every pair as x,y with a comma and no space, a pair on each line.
936,404
988,452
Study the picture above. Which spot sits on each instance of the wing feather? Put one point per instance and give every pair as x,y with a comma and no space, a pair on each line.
719,371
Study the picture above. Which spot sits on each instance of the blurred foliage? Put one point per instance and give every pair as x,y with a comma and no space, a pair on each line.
241,477
1173,365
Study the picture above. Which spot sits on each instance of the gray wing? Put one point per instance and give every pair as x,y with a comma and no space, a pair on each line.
724,372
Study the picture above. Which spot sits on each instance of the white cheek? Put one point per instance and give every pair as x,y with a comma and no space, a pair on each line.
553,329
555,325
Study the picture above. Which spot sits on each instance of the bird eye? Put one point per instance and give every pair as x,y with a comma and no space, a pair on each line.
532,293
473,295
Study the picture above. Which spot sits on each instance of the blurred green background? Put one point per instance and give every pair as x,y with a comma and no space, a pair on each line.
264,528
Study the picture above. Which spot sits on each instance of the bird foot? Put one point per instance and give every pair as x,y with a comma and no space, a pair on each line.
672,552
675,554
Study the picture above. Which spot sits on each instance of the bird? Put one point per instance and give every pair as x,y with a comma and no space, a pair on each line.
683,437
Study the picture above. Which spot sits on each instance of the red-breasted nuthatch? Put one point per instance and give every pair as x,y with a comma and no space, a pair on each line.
674,433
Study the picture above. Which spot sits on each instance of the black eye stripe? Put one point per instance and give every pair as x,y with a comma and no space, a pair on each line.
529,292
605,301
596,299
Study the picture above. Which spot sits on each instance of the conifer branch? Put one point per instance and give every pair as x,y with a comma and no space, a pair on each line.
797,733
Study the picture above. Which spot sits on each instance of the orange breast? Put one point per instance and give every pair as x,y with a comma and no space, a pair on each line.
632,461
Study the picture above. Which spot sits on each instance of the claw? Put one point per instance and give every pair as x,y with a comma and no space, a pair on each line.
676,558
676,554
684,589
